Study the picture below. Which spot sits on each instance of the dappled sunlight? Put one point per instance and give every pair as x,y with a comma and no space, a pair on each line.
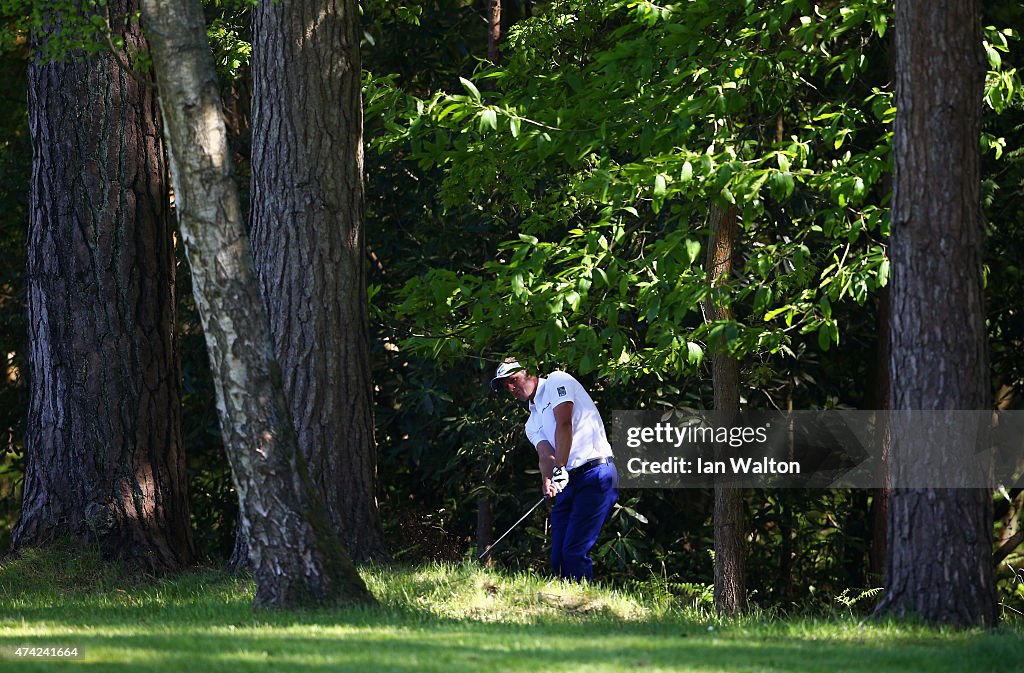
216,137
468,592
471,647
450,618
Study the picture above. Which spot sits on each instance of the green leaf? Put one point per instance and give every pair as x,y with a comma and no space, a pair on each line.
762,298
488,117
694,353
633,513
518,286
692,249
880,21
660,185
687,173
781,185
471,88
995,61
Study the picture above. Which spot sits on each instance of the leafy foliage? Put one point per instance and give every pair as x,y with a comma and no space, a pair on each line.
557,209
605,141
15,166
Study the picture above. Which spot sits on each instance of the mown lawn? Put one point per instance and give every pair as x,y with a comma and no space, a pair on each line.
450,619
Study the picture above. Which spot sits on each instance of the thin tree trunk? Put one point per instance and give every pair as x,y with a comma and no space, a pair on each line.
484,527
940,539
309,249
879,552
883,403
786,555
494,32
730,544
104,458
296,557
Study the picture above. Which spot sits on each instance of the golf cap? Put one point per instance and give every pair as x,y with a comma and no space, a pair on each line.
505,369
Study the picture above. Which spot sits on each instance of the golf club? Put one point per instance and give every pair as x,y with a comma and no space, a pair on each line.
495,543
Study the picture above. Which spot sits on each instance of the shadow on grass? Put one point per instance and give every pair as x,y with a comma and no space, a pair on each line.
474,647
204,622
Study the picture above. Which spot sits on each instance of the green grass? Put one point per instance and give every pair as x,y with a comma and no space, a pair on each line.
445,618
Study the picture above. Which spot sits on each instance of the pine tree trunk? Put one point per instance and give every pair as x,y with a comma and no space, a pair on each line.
309,250
730,545
940,539
296,557
104,459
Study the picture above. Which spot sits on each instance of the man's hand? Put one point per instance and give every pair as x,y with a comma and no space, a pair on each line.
546,488
559,479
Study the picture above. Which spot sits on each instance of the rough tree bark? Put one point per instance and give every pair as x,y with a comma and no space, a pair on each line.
940,539
730,547
104,458
309,248
296,557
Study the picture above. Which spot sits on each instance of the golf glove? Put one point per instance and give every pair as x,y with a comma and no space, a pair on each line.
559,478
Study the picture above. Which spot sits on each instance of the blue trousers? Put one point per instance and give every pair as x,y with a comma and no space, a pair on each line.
576,519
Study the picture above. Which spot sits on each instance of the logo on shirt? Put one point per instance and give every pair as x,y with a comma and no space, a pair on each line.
561,391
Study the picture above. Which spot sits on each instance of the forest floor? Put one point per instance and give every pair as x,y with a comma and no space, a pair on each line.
446,618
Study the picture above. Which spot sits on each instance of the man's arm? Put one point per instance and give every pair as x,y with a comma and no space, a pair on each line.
563,433
546,459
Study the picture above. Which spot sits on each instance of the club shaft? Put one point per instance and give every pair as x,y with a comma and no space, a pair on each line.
495,543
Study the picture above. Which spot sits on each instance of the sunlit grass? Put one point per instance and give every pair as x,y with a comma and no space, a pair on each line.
447,618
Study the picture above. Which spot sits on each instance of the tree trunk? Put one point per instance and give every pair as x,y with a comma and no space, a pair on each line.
309,249
494,32
730,546
879,552
296,557
883,403
104,459
238,562
484,527
940,539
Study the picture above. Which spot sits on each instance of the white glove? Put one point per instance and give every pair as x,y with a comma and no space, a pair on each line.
559,478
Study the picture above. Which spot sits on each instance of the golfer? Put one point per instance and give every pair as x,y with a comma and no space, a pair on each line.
576,463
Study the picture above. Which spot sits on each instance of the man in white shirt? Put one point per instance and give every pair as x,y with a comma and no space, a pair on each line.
575,457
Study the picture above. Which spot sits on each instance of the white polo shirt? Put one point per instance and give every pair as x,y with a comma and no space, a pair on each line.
589,440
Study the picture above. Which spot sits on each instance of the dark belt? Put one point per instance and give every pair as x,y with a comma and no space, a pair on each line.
591,464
